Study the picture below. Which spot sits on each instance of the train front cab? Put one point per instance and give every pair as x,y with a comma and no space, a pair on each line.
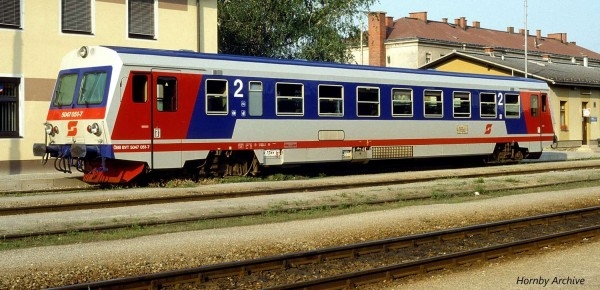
529,127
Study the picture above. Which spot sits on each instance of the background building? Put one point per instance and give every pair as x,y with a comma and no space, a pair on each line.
572,72
37,34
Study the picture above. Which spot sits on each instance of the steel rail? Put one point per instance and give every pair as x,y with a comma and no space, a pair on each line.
281,262
307,187
353,280
119,226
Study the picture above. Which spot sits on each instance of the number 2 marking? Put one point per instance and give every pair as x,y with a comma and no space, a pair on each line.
239,85
500,99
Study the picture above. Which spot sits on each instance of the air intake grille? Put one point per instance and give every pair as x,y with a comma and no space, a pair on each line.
389,152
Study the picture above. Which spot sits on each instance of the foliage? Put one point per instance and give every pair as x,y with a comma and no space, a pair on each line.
317,30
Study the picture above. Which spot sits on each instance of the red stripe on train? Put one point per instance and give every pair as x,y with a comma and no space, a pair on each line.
164,147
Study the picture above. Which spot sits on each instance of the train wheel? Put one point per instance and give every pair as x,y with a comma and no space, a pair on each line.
229,163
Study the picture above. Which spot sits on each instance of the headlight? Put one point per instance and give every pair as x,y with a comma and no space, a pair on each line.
94,129
49,130
83,52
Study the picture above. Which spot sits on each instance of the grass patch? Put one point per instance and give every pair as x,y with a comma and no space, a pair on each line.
345,203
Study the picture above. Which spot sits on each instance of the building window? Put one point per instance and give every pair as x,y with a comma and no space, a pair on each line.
487,105
76,16
141,19
216,97
9,107
427,57
563,116
10,13
255,99
461,105
433,103
367,102
402,103
166,94
331,100
290,99
513,106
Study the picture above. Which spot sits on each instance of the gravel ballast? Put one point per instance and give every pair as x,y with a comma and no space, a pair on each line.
58,265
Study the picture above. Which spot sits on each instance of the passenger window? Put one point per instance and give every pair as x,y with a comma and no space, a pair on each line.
402,103
290,99
331,100
140,89
166,94
216,97
461,104
434,104
513,106
487,105
367,102
255,99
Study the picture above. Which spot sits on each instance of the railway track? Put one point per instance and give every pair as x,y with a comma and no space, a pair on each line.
282,188
274,188
418,254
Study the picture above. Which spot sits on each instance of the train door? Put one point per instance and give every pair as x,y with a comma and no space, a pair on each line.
166,142
532,107
173,98
132,131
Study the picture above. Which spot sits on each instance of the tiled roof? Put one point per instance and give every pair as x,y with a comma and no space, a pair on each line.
556,73
411,28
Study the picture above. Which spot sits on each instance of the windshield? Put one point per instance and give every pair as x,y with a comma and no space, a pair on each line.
65,90
92,88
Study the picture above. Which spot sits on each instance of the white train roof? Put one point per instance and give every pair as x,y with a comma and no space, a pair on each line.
261,67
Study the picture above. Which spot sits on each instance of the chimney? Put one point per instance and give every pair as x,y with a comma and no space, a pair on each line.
377,35
562,37
585,61
510,29
521,31
476,24
389,22
445,20
538,34
418,15
463,23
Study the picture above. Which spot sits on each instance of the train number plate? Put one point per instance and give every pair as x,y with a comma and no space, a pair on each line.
272,153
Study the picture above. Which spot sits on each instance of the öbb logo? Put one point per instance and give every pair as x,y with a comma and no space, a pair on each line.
71,128
488,129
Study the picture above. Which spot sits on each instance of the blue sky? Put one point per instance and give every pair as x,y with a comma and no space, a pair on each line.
580,19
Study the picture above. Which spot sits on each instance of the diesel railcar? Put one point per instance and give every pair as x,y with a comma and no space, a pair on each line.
119,112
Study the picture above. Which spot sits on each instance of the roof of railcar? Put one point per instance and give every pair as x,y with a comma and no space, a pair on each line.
254,59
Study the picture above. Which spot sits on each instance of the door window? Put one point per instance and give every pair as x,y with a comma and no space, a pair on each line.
166,94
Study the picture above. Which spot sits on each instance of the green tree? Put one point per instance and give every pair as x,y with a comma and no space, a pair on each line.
320,30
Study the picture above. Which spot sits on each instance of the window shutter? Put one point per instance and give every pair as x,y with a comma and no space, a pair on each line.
141,17
10,13
76,16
